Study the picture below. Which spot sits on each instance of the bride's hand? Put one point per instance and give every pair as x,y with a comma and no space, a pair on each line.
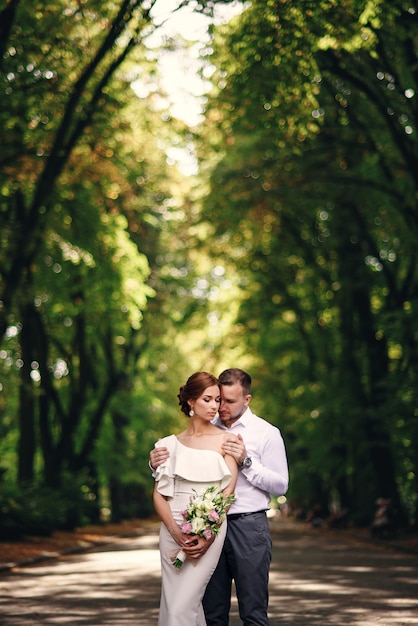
196,547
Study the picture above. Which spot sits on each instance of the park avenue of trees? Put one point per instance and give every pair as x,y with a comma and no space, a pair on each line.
291,252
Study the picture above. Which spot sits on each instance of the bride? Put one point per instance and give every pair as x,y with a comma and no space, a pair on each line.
196,462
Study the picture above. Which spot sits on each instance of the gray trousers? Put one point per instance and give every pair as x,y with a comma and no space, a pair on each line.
245,558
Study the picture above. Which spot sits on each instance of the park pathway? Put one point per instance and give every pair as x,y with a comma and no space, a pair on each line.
318,578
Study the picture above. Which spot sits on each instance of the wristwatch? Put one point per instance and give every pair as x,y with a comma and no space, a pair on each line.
247,462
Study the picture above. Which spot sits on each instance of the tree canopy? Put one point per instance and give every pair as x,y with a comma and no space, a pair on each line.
313,191
291,252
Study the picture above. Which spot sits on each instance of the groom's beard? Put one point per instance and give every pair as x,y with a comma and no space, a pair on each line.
233,418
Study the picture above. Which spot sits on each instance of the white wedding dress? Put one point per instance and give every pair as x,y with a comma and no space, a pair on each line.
182,590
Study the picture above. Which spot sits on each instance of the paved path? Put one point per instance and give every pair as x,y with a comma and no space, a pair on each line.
317,579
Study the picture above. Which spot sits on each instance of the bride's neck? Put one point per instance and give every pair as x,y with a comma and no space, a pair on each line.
198,430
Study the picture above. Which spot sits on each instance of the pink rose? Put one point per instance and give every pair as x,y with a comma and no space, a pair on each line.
207,534
213,515
186,528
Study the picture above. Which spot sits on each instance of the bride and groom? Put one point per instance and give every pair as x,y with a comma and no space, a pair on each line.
225,449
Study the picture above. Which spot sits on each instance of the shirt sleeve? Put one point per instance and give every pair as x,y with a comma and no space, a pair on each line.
153,472
269,470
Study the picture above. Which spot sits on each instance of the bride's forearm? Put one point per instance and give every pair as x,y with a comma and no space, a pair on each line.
162,508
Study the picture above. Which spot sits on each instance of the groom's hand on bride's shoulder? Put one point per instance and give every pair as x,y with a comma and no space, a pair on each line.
158,456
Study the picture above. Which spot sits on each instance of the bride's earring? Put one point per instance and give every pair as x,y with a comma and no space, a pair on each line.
191,413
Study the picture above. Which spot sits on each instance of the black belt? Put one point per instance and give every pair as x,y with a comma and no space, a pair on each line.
238,515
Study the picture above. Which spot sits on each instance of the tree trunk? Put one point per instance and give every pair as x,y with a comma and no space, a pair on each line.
26,446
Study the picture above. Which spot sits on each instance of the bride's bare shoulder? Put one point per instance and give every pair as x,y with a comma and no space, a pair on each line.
227,436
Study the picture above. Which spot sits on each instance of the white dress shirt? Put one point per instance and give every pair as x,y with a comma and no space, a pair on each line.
268,474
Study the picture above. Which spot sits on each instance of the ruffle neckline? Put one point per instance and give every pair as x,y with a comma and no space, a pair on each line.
191,464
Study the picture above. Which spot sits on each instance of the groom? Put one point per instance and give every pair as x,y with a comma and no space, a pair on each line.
246,556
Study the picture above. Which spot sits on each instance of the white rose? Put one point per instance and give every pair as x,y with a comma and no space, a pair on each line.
198,525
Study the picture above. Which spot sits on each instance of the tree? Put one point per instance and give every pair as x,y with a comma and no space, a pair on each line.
304,134
83,186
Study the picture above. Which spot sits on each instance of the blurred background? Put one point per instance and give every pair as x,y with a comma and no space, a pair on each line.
199,185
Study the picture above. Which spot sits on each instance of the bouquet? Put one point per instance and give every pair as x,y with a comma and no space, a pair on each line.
203,517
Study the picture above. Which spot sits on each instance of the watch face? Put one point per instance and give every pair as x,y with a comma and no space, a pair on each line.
247,462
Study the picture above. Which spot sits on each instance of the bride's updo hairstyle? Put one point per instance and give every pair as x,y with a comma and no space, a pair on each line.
194,388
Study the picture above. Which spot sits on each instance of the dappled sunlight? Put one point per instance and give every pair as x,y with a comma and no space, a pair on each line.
101,587
334,583
316,580
310,586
